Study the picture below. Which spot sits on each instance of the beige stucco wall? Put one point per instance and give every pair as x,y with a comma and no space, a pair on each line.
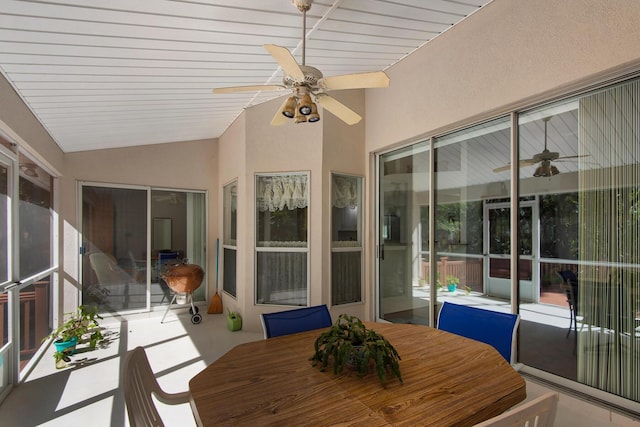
188,165
319,149
508,54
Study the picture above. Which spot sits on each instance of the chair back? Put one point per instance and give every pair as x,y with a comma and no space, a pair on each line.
294,321
165,257
139,384
540,412
491,327
107,270
570,287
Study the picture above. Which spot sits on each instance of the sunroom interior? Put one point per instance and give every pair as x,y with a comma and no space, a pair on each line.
540,101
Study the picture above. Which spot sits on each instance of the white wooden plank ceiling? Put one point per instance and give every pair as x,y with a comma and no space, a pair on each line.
113,73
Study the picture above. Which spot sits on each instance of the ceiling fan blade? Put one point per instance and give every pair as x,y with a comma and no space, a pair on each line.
572,157
254,88
286,60
338,109
279,118
355,81
521,163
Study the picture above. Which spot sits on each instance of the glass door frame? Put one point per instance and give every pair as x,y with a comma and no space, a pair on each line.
7,351
149,306
10,352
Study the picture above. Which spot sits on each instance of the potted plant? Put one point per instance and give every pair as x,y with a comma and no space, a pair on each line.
80,324
452,283
349,343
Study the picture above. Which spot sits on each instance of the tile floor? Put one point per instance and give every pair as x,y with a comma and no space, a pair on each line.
89,393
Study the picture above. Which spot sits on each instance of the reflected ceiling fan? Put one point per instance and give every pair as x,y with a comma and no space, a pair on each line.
545,158
309,86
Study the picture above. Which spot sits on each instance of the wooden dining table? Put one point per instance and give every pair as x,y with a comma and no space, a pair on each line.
448,380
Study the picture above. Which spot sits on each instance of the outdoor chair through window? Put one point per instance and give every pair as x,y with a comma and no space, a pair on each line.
570,287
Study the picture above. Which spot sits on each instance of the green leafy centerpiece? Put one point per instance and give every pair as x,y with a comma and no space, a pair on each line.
349,343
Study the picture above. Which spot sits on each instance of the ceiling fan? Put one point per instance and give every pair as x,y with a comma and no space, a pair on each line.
544,158
309,86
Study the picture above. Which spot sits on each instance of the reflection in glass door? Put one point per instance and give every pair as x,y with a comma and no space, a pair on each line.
114,248
403,291
124,255
499,251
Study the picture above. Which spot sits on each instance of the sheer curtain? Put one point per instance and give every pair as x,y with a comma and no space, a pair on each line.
609,342
282,191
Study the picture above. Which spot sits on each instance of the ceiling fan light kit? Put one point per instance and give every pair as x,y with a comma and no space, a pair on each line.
308,85
304,104
546,169
313,116
289,109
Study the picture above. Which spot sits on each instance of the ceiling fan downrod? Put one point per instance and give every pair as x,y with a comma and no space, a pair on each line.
303,6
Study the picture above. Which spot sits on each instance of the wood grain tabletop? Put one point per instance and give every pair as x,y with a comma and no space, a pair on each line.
448,381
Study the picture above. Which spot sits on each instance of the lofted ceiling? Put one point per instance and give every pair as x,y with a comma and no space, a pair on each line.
113,73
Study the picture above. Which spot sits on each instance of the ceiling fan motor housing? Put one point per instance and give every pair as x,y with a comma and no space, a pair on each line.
311,77
302,5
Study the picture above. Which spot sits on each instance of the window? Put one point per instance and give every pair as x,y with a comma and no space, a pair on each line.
346,241
230,229
282,239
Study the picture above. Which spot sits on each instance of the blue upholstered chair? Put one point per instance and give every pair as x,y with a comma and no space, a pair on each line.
294,321
491,327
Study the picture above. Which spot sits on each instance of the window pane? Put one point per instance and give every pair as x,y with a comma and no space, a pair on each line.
35,187
466,176
346,271
404,188
282,278
114,231
230,208
229,272
281,210
346,262
35,306
559,225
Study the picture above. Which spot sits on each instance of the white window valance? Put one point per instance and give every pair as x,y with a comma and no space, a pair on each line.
344,191
274,193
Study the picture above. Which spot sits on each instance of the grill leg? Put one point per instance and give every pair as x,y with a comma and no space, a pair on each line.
169,307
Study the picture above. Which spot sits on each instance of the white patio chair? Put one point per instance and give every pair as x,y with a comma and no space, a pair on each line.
540,412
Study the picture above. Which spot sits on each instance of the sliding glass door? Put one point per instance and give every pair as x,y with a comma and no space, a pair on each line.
27,262
114,244
403,192
131,236
573,224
